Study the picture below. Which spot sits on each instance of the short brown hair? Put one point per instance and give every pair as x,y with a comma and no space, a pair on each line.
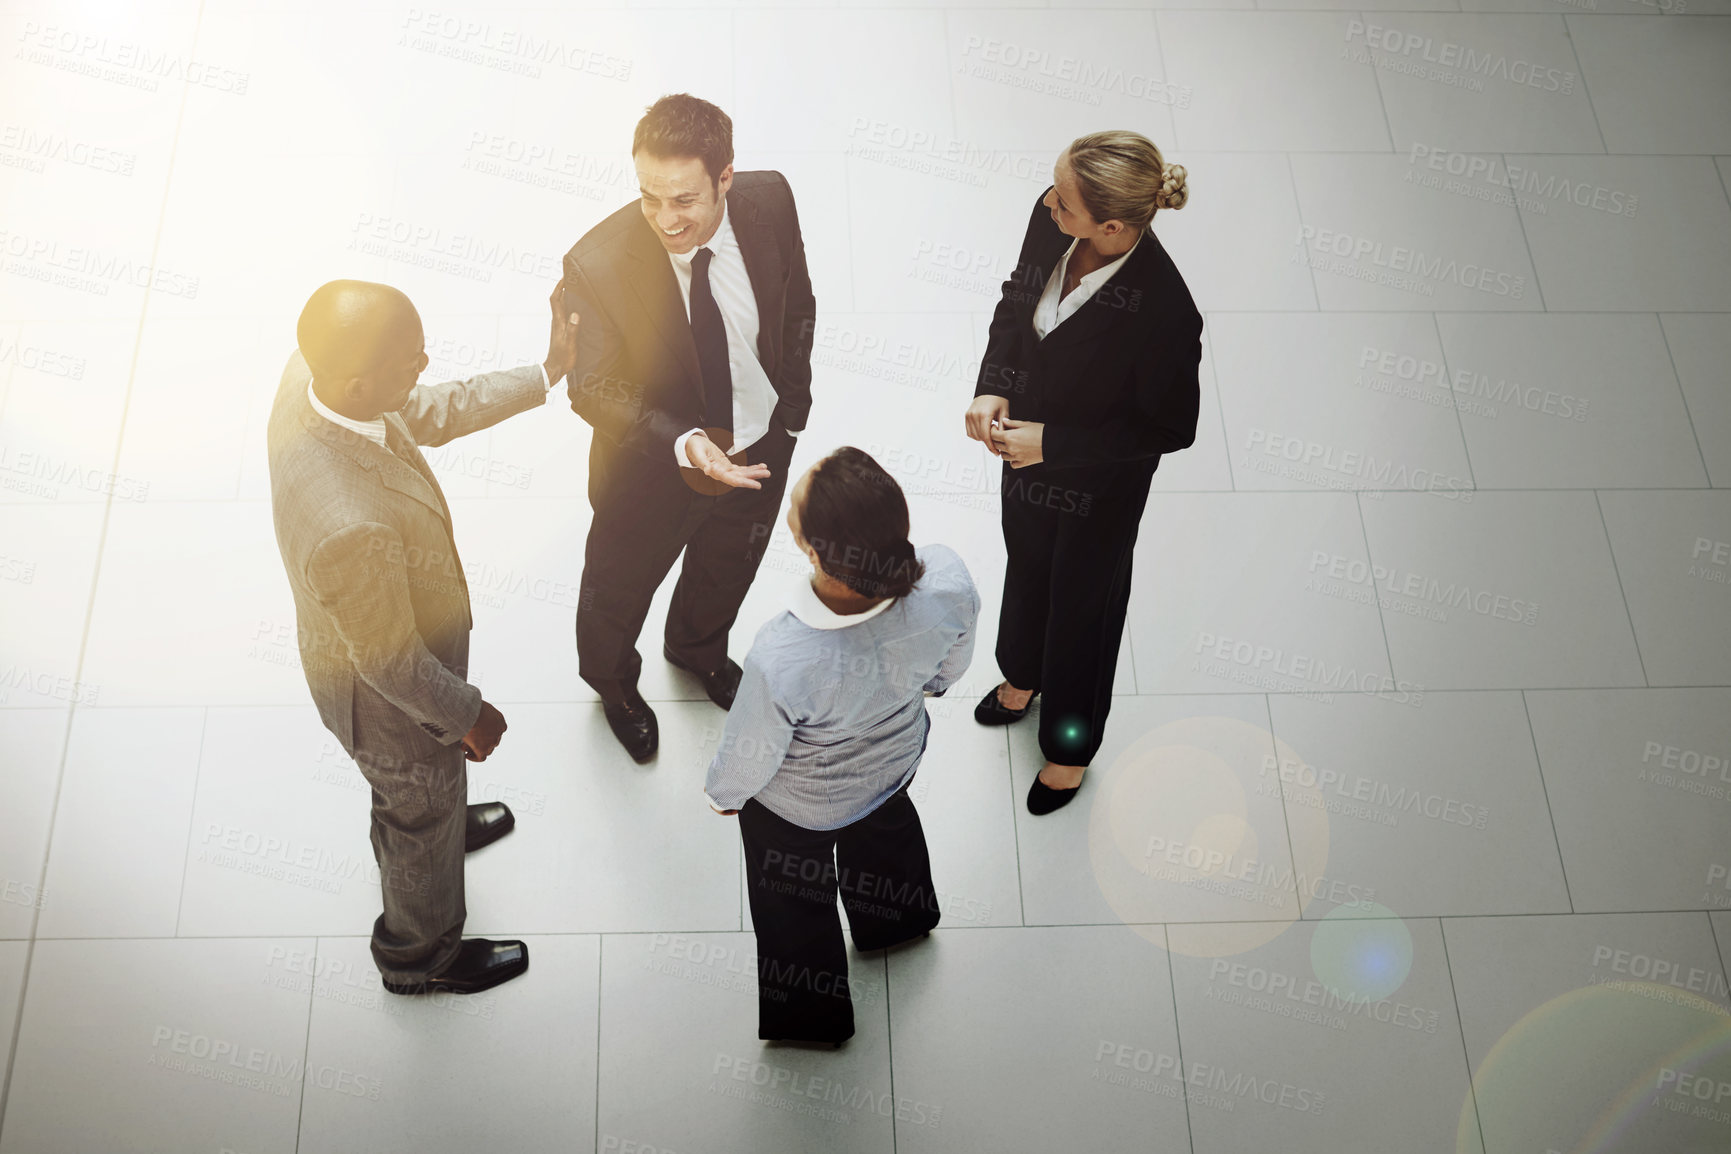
684,125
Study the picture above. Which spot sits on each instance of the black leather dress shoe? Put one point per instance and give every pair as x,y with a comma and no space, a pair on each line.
1043,799
480,964
633,723
720,684
487,823
991,711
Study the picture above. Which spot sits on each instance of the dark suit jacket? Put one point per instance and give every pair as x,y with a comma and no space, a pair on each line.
636,378
1116,382
381,604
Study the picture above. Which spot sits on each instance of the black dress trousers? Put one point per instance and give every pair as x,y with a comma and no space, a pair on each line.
644,514
881,870
1070,535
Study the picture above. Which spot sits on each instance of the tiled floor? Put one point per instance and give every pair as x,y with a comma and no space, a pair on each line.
1412,828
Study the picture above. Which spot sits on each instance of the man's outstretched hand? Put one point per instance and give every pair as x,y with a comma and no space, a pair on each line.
705,454
562,344
483,737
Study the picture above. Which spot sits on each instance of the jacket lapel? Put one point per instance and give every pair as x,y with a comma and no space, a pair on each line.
658,292
757,245
1124,295
393,472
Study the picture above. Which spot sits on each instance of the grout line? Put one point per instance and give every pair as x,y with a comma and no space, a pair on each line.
1178,1033
1539,761
1220,405
1532,261
1381,622
191,816
1309,270
1684,394
600,952
306,1048
1460,1024
1586,89
890,1046
1015,820
95,584
1286,820
1724,970
1376,82
1454,402
1627,613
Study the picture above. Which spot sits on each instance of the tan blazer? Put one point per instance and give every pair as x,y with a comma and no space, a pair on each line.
381,604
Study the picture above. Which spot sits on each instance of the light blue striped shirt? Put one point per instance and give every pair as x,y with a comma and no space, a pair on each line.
830,716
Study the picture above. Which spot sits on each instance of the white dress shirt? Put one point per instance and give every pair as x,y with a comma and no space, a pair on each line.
753,396
373,430
1054,307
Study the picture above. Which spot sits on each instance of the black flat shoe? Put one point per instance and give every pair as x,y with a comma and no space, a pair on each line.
487,823
633,723
991,711
720,684
480,964
1043,799
866,949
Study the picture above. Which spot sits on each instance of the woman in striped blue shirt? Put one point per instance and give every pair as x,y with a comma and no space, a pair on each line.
825,734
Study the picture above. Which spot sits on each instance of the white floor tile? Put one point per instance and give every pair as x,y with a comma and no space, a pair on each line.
448,1072
1234,593
1519,90
192,608
158,1046
65,386
1569,402
1629,234
1700,345
47,566
12,960
1505,591
1319,401
1656,83
278,833
1571,1023
1097,1057
1673,555
1172,823
127,799
603,844
1231,238
1313,1041
682,1068
1269,81
34,739
1438,810
964,794
1376,237
1037,80
1638,767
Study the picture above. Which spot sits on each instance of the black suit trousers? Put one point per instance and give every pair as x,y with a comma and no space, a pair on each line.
880,869
1070,535
644,514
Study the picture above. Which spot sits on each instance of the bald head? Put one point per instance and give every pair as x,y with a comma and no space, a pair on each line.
364,344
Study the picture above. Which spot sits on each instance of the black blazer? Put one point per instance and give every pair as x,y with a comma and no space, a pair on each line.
636,378
1116,382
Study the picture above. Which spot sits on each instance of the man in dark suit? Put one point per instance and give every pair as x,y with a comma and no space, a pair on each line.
382,607
694,367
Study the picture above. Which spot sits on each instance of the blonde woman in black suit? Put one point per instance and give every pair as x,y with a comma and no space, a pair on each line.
1090,374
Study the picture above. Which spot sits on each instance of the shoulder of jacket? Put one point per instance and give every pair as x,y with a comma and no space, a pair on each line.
608,238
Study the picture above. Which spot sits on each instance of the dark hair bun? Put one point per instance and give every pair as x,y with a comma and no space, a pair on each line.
856,519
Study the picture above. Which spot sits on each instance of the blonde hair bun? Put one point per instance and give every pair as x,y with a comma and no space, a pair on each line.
1174,188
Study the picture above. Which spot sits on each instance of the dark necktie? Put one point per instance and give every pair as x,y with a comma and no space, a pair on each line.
711,340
